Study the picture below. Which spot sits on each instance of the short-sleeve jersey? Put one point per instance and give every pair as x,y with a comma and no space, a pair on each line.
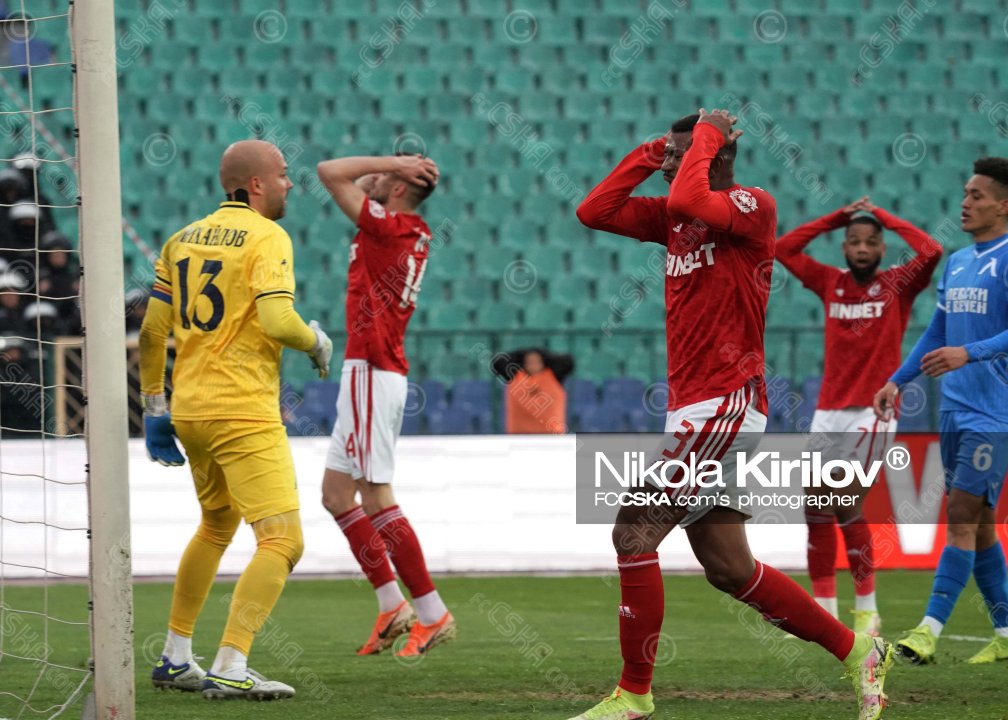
212,272
388,257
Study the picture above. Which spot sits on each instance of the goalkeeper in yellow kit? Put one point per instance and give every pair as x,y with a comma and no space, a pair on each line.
225,288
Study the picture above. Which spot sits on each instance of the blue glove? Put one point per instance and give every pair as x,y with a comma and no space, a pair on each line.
160,433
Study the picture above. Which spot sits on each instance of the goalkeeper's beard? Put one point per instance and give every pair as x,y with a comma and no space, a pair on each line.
863,274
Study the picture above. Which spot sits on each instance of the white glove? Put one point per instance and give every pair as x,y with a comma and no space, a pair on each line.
321,354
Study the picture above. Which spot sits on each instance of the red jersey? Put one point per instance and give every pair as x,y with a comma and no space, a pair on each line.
388,257
864,322
719,256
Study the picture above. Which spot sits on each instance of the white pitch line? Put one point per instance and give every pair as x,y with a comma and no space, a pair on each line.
965,638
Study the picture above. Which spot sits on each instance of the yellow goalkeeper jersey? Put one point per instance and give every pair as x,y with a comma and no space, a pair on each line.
212,272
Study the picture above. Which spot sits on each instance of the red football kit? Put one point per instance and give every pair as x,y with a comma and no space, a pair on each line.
864,322
720,249
388,257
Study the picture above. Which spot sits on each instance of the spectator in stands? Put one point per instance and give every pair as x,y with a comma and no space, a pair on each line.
43,320
59,276
11,307
534,400
20,391
136,307
12,189
28,165
21,240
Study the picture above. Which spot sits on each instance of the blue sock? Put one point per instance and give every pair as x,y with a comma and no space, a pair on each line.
954,569
992,579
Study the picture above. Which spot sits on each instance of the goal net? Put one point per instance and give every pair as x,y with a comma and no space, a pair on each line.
63,491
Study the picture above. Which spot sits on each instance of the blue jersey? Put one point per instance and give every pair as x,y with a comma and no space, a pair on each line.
973,292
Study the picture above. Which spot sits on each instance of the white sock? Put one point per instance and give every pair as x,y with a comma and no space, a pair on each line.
389,596
229,662
829,604
935,625
865,602
1001,632
178,649
430,608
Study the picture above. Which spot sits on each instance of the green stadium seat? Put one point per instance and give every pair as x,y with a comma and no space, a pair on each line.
309,55
546,316
559,30
515,81
967,26
538,58
469,30
423,80
468,80
602,29
497,316
975,127
217,54
811,54
452,316
603,366
581,55
546,261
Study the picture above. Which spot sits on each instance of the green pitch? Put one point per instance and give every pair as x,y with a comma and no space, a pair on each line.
527,647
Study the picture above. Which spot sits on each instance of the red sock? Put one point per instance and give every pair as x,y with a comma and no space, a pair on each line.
404,548
641,611
860,554
366,546
821,551
783,603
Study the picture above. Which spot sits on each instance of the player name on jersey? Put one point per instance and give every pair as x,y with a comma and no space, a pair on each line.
856,311
966,300
218,235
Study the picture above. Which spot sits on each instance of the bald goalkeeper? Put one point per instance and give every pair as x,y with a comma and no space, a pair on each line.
224,287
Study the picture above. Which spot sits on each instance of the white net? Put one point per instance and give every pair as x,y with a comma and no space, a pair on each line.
44,640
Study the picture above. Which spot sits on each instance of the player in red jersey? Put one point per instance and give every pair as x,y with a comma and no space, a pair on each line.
388,257
719,238
867,311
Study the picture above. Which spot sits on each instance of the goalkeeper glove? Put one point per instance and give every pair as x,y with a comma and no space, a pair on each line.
159,431
321,354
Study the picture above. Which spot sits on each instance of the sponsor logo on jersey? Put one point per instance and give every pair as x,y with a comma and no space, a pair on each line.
991,267
856,311
678,265
957,271
743,199
966,300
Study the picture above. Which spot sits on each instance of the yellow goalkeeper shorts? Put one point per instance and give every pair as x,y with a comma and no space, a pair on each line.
242,463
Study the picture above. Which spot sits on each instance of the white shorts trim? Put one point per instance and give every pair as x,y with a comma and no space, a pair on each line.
723,427
851,434
369,416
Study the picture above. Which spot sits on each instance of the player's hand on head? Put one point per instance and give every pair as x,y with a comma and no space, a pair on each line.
321,354
856,206
723,121
884,402
938,362
417,169
159,433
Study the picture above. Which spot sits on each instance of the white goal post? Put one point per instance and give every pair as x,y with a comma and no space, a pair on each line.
102,290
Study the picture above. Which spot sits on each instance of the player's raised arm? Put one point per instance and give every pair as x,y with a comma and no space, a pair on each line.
610,208
340,176
928,250
691,192
791,246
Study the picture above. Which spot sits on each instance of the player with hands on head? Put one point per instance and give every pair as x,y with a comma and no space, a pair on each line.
224,287
388,257
867,310
966,345
719,238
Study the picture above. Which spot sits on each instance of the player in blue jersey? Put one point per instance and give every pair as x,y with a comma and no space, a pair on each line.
967,344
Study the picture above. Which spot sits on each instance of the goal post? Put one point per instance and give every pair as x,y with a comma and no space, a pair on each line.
102,300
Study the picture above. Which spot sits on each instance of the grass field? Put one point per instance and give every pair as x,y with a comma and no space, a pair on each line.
527,648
